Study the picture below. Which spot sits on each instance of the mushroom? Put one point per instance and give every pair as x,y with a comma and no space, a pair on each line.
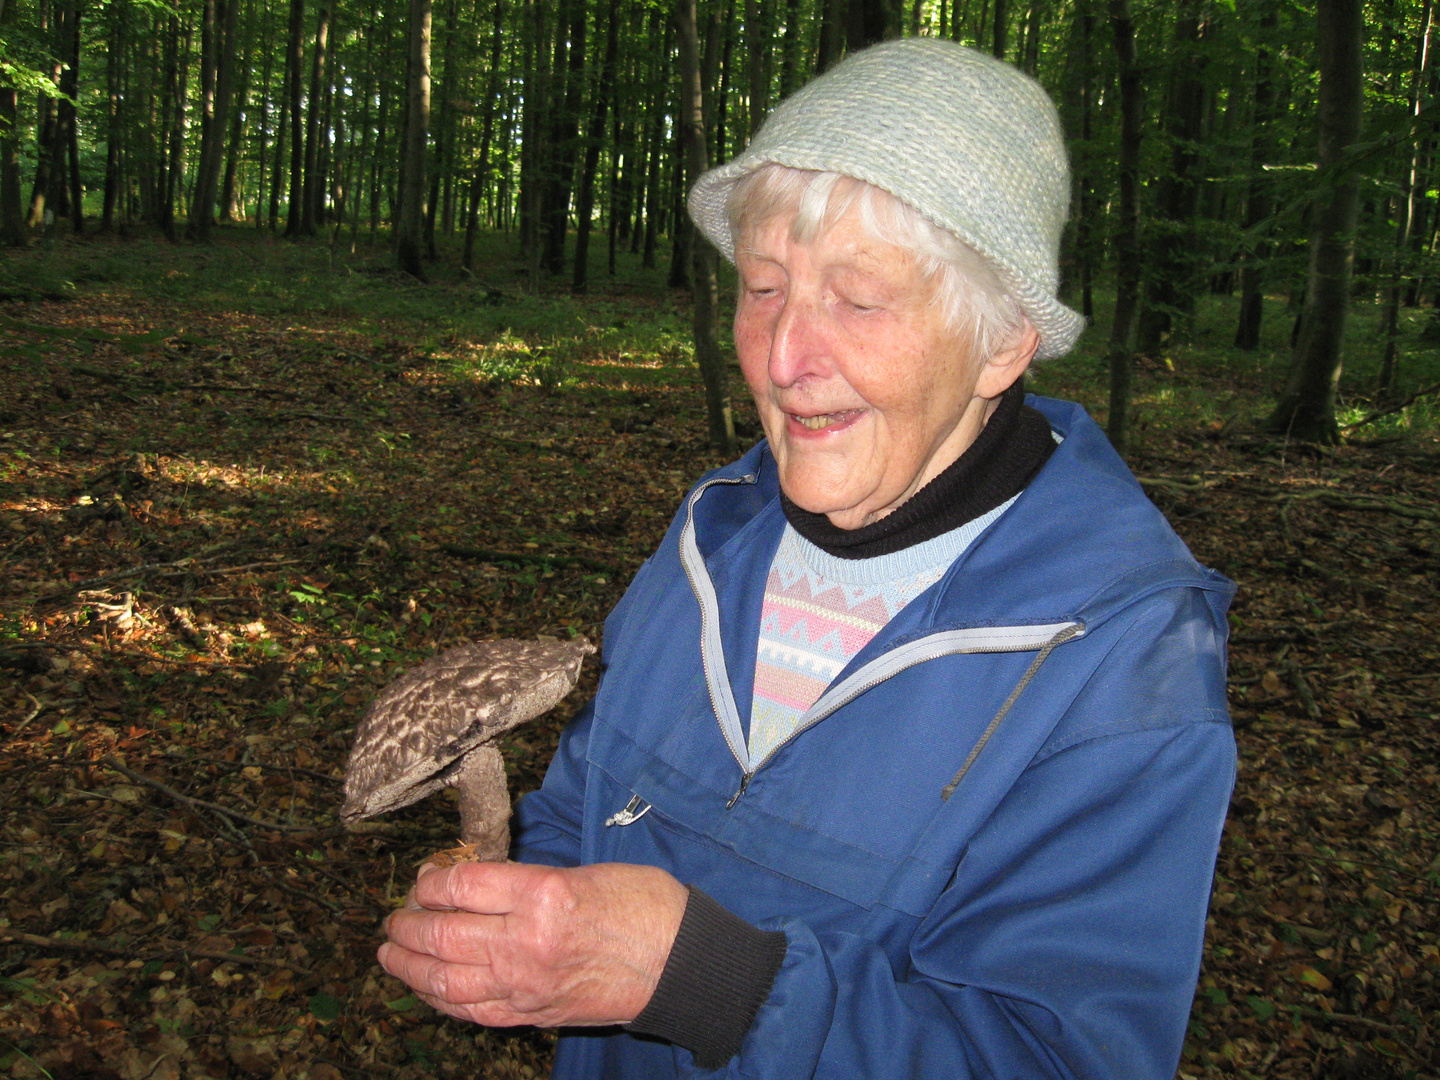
437,725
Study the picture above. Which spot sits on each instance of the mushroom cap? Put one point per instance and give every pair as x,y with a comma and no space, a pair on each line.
415,736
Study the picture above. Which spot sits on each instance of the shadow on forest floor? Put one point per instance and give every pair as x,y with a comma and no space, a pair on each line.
220,534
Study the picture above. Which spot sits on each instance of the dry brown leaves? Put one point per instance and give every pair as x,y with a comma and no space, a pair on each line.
213,554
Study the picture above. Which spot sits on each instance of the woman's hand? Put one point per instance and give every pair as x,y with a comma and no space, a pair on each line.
509,943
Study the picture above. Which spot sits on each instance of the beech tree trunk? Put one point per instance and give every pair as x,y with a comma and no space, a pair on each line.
1260,199
312,188
1307,410
594,137
1127,233
12,212
1409,210
410,226
114,112
703,256
480,183
1172,261
294,62
219,30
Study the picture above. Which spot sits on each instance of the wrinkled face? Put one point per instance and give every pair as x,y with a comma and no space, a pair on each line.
864,392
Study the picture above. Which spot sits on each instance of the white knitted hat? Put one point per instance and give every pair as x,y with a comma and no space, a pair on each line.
965,139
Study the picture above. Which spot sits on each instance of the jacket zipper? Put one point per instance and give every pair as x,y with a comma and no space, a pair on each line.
705,595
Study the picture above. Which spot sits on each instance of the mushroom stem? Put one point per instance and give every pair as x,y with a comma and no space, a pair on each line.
484,803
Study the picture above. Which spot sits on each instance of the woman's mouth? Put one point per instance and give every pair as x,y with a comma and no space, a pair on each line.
826,421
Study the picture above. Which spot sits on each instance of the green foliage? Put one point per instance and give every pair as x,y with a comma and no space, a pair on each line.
326,1007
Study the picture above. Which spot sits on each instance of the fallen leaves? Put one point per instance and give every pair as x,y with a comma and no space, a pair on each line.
195,610
193,625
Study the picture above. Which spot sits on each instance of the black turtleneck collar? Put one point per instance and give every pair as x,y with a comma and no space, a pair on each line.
1008,452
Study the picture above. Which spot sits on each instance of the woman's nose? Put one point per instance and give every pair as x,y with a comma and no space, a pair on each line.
798,346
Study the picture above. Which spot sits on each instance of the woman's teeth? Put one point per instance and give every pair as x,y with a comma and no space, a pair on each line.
824,420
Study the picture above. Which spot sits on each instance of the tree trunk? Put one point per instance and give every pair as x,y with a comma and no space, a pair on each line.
1030,55
409,230
707,347
569,65
653,180
178,67
294,64
312,187
114,110
262,128
594,138
790,50
46,119
1409,208
1307,409
1127,232
70,127
480,183
1089,237
219,31
832,33
757,41
1260,198
235,104
1172,285
443,148
12,212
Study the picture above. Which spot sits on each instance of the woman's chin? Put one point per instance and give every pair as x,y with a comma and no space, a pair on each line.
822,494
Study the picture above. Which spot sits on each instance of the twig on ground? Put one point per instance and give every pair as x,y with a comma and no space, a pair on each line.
286,769
1342,502
36,711
180,951
1313,857
1393,409
1170,484
491,555
1345,1018
311,895
200,804
349,886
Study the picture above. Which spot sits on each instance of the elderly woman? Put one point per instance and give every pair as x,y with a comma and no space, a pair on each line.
911,754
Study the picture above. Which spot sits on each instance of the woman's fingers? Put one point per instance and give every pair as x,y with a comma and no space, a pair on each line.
512,944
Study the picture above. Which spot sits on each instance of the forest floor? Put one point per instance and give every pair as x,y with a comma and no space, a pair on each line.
223,530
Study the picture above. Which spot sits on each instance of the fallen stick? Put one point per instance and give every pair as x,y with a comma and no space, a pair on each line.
1392,409
182,951
489,555
200,804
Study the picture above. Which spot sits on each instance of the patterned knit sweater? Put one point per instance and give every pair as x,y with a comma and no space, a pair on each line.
820,610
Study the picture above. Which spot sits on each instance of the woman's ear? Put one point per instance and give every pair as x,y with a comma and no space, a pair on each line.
1001,371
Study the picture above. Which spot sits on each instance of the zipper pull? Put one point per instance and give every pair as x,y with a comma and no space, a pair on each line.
744,783
628,816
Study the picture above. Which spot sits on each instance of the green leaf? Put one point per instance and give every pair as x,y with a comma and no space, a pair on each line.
208,922
404,1004
325,1007
1263,1009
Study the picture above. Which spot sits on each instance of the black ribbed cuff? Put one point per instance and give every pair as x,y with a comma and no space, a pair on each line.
718,975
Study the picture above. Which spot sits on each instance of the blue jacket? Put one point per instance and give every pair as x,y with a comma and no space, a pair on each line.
989,845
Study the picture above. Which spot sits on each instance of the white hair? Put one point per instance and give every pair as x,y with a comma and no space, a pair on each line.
972,299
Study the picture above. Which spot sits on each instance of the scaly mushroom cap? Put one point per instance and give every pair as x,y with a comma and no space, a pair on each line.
414,739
